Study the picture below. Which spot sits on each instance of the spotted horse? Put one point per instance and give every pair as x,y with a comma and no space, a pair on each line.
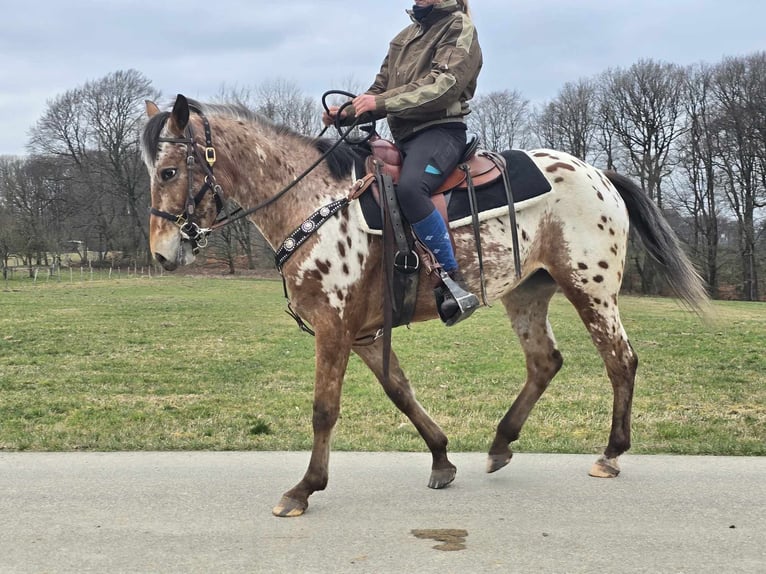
572,239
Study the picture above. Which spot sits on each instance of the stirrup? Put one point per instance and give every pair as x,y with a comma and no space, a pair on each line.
450,291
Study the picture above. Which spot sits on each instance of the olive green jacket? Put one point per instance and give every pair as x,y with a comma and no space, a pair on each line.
429,73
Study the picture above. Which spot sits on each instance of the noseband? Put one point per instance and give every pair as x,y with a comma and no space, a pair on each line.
189,230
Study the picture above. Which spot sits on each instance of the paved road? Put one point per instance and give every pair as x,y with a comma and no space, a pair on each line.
211,512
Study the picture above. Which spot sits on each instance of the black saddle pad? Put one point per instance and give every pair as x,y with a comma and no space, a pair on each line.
527,181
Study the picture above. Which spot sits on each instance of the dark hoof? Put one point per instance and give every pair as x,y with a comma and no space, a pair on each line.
498,461
442,477
605,468
289,507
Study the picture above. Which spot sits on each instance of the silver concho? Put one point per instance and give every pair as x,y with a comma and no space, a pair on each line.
307,226
289,244
325,211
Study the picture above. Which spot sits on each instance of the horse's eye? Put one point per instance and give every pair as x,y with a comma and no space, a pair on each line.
168,174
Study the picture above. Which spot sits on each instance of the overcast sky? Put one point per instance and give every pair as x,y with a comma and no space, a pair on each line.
195,47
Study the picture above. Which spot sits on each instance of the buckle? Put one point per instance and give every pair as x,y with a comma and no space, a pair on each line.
406,262
210,155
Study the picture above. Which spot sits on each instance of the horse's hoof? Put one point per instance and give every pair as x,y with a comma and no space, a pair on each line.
289,507
498,461
605,468
441,477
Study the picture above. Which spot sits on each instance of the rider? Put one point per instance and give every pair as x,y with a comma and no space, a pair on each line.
423,88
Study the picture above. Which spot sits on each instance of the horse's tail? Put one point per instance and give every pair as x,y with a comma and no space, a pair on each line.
661,243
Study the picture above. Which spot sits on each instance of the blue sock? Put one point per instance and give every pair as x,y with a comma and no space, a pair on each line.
433,232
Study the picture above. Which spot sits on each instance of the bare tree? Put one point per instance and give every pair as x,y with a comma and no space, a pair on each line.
698,194
9,224
740,87
501,119
95,129
643,109
284,103
29,197
115,105
569,122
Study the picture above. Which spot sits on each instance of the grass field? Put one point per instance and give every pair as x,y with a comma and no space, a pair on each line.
211,363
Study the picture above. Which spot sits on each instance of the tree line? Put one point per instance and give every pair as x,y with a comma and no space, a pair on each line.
694,137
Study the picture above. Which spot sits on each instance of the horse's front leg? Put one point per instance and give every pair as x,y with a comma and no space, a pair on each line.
331,362
400,392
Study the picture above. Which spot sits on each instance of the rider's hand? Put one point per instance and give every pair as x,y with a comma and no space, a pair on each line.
328,117
364,103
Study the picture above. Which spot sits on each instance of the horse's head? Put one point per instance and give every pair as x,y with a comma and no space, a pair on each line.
185,196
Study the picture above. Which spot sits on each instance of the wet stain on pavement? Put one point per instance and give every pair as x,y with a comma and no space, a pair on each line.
450,538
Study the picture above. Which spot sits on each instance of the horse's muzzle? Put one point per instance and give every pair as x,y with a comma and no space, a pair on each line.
167,265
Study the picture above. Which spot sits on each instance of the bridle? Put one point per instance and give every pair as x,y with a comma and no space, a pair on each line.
196,235
189,230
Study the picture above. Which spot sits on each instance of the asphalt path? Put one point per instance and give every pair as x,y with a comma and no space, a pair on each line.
211,512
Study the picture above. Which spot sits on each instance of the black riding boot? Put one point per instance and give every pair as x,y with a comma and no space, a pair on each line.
454,298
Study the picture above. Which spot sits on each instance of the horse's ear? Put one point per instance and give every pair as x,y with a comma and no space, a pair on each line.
151,108
179,117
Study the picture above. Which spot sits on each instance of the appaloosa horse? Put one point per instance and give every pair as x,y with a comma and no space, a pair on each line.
572,238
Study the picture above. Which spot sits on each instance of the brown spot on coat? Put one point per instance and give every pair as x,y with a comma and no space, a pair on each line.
559,165
323,266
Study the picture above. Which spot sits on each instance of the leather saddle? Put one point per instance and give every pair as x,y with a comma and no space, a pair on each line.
387,156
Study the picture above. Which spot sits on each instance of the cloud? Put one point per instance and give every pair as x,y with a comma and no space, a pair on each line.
196,47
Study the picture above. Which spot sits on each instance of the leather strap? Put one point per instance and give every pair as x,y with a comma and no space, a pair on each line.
401,266
499,161
475,224
306,230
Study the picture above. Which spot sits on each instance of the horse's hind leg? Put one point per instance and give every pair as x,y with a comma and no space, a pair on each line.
400,391
527,307
598,310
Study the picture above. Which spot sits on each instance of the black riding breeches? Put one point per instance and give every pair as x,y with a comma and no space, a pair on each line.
429,157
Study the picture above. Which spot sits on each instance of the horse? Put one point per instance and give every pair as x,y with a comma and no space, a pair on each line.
572,239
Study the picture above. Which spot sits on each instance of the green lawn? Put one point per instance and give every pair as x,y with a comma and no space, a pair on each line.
214,363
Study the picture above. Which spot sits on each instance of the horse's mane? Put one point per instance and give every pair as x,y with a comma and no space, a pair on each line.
339,161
